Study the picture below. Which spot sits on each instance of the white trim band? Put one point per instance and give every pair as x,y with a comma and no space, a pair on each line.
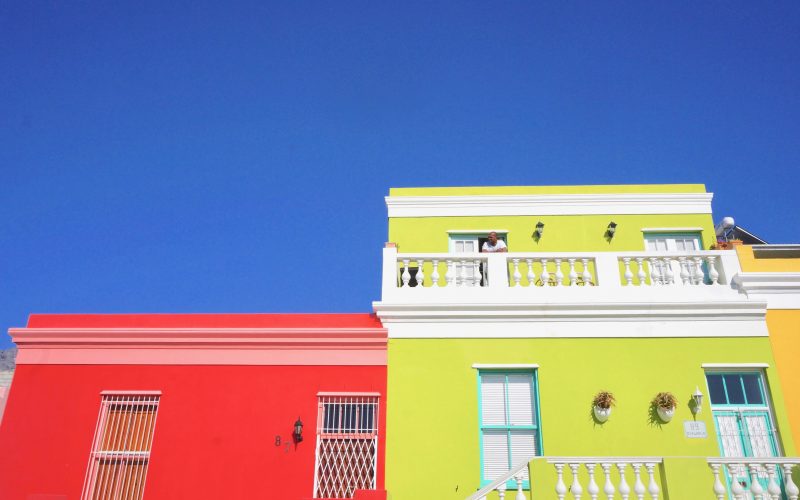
670,229
490,366
734,365
549,204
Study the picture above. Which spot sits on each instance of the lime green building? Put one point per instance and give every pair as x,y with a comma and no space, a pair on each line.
500,363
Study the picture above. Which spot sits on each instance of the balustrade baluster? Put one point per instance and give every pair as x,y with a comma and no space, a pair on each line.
406,274
719,488
531,275
669,276
559,273
655,276
773,488
638,485
476,273
684,270
449,274
792,491
713,274
501,491
698,270
462,270
755,486
517,275
608,488
520,494
420,273
624,489
561,488
641,274
435,273
652,487
736,487
593,489
628,274
586,275
573,276
545,276
575,488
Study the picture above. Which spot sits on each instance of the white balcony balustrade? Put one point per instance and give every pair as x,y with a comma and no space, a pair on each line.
754,478
549,271
585,475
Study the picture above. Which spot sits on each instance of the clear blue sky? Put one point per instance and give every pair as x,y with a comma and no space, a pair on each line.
167,157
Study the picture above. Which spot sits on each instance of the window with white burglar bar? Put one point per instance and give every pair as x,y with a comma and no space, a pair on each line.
347,444
121,448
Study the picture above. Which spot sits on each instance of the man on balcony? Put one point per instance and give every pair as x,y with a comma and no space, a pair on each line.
494,245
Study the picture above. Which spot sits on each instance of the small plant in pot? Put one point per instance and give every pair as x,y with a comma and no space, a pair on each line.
602,403
665,403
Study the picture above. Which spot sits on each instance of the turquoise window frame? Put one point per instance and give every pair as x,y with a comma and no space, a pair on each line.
653,235
536,427
727,404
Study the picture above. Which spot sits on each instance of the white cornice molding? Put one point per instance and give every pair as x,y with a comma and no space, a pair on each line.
500,366
562,320
779,290
722,366
549,204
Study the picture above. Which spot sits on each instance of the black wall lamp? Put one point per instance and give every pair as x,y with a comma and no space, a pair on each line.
298,431
539,229
611,229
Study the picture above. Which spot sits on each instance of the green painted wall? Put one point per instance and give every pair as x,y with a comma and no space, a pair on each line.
562,233
432,422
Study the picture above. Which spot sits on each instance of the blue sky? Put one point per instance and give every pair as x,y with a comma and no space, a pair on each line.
192,157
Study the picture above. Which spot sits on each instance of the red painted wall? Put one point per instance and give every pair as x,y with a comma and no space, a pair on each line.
214,438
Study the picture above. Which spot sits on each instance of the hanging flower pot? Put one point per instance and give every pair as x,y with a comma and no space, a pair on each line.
602,403
665,404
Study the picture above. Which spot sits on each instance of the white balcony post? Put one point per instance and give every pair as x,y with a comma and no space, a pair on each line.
531,275
791,489
389,273
628,274
736,486
561,488
586,274
608,487
773,488
713,274
406,274
573,276
501,491
420,273
449,275
559,273
719,488
655,276
624,489
652,487
575,488
545,276
520,494
638,485
517,274
606,266
593,489
435,273
755,485
640,271
498,270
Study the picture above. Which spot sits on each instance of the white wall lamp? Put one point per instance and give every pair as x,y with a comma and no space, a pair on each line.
611,229
697,399
539,229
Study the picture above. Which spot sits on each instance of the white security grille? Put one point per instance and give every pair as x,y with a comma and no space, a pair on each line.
347,444
121,449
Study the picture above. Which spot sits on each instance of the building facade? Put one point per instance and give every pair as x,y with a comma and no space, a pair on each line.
196,406
495,359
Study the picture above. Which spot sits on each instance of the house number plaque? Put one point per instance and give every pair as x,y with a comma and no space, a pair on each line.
694,429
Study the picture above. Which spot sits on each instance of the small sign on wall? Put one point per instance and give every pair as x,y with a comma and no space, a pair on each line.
694,429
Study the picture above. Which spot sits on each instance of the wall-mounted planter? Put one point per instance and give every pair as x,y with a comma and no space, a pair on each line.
601,414
665,414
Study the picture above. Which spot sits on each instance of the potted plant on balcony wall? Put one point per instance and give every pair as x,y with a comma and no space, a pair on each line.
602,403
665,403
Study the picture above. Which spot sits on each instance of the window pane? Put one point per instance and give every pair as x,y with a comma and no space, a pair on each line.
717,389
459,246
493,400
495,454
469,246
520,406
680,244
523,447
733,385
691,244
752,389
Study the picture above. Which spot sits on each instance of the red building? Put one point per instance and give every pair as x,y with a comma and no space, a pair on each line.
196,406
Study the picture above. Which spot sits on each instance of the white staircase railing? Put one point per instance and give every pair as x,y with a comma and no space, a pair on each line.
499,484
732,475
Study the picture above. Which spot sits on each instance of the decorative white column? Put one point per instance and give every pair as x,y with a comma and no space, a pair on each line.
698,270
652,487
520,494
531,275
719,488
736,487
476,273
501,491
406,274
561,488
655,276
628,274
420,273
559,273
684,270
593,489
640,271
462,269
586,275
624,489
545,276
713,274
773,488
669,276
517,275
435,273
792,491
608,487
575,487
573,276
449,274
755,485
638,485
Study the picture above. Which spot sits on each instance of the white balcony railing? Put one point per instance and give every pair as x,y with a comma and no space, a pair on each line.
758,478
555,270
